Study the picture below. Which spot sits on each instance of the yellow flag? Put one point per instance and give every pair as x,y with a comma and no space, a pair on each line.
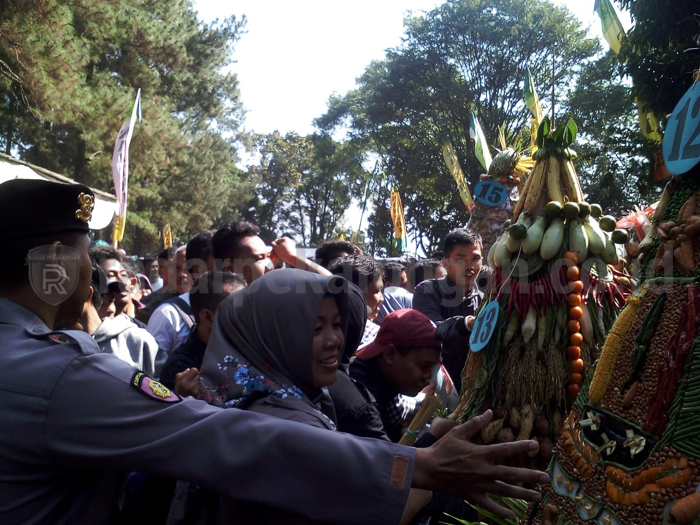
448,153
118,230
648,122
398,219
614,33
167,237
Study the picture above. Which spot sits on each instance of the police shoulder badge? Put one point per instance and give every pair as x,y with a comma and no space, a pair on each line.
87,204
153,389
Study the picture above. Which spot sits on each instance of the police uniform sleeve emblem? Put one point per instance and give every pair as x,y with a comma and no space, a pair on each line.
153,389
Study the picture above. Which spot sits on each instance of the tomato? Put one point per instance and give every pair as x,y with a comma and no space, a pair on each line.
504,180
575,299
573,353
571,256
576,339
573,326
516,180
573,273
577,287
574,389
576,379
575,313
576,366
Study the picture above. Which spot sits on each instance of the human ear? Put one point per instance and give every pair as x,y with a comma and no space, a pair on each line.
390,354
206,317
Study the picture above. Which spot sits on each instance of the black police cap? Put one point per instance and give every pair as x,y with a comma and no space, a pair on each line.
32,208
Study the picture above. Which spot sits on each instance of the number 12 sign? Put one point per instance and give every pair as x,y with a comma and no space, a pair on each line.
484,327
681,145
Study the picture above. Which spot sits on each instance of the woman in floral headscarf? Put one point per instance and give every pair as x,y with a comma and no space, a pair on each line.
276,345
274,348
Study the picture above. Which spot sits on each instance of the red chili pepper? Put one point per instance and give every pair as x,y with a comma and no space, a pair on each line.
514,293
594,294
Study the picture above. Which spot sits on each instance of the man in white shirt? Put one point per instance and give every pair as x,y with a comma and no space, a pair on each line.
171,323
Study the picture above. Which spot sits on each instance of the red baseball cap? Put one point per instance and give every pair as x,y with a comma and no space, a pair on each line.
404,329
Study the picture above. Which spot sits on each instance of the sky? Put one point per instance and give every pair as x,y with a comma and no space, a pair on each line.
296,53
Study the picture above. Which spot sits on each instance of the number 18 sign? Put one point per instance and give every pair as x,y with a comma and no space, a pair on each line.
681,145
484,326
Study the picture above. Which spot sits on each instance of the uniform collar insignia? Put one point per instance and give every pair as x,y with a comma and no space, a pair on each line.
86,204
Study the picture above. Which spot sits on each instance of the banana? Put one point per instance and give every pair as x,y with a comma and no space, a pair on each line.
523,194
538,185
553,185
573,180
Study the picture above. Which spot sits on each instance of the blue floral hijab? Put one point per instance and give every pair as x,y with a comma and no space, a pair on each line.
261,343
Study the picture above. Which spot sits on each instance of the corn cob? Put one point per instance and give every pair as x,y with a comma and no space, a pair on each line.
611,350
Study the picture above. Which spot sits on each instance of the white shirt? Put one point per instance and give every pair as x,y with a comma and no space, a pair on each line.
167,326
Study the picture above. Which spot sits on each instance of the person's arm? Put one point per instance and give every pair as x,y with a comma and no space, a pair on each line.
451,330
285,248
98,416
474,471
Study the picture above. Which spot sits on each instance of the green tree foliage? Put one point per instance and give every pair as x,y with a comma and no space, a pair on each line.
68,77
463,55
303,185
661,51
613,157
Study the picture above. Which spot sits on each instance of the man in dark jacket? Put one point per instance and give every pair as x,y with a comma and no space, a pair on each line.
399,361
355,408
451,302
206,294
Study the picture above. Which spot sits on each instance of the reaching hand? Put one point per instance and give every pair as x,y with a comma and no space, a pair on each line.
187,383
458,467
286,249
430,389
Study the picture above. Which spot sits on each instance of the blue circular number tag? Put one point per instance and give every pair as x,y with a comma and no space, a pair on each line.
681,145
490,192
484,326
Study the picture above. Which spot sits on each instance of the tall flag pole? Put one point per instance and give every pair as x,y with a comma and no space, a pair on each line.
448,153
481,147
120,168
399,222
614,33
532,101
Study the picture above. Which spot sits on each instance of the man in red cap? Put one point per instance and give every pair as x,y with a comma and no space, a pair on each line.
399,361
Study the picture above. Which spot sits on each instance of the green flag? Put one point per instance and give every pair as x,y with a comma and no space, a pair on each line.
532,101
612,28
481,148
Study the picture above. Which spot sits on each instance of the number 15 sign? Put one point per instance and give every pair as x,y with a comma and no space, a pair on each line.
681,146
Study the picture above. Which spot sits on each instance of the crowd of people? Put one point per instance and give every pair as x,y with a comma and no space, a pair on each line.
216,375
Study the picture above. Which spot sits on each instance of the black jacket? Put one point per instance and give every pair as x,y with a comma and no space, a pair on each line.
439,300
188,355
